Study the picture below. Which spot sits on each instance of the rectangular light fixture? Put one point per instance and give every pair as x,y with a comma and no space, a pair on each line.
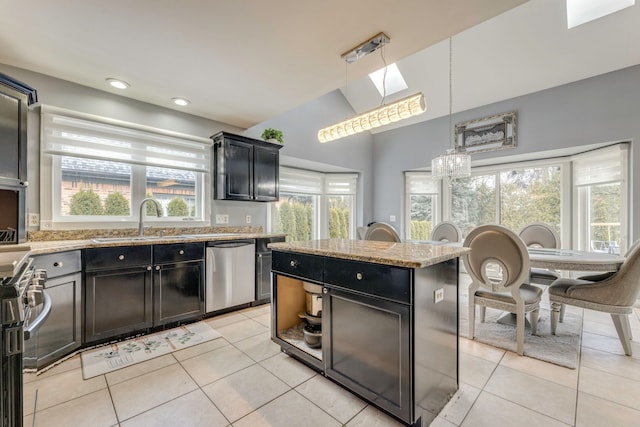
402,109
365,48
582,11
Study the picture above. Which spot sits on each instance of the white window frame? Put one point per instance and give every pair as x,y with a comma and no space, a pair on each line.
51,174
437,209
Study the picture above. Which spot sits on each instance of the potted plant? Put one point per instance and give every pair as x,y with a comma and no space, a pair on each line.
272,135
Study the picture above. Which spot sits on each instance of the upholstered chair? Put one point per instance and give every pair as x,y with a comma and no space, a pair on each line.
540,235
615,295
494,247
383,232
446,231
606,275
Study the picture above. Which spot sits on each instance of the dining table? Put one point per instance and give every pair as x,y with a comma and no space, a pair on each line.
573,260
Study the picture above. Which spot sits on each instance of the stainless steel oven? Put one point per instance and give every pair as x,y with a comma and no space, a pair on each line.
21,292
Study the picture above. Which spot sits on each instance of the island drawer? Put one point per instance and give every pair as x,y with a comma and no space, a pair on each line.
177,252
117,257
384,281
60,263
298,265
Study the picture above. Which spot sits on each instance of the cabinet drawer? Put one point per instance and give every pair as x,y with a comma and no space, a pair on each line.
59,264
393,283
178,252
299,265
118,257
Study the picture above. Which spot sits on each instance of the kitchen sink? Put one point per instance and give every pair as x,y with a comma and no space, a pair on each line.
211,235
133,239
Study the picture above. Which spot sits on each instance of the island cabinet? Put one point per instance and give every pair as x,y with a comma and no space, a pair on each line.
245,168
389,332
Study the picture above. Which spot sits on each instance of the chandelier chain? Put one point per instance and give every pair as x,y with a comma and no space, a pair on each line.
450,92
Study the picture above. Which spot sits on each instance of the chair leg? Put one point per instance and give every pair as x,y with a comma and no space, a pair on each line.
520,329
556,308
623,328
562,307
472,316
534,321
483,312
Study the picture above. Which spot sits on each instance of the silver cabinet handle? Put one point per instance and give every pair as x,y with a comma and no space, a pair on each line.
293,263
157,267
57,264
181,252
148,268
359,276
325,290
120,257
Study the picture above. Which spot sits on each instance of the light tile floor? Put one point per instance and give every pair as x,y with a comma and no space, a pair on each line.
243,380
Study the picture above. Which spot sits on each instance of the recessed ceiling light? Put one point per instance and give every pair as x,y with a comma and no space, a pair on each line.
181,101
583,11
119,84
393,80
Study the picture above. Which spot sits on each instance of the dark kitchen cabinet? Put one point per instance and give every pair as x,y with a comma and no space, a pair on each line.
245,168
118,292
178,283
62,332
15,97
263,268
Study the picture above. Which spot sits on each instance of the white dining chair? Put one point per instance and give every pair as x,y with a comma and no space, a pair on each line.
446,231
494,247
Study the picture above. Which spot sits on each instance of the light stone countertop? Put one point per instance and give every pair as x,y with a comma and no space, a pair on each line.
10,257
412,255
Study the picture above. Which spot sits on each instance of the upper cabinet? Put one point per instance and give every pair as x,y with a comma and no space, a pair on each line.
245,168
15,97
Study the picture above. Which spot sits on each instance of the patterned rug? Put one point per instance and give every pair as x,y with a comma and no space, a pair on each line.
561,349
113,356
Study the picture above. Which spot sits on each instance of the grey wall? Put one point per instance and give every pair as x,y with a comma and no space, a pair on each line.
600,109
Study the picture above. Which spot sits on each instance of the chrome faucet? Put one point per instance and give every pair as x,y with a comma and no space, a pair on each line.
158,212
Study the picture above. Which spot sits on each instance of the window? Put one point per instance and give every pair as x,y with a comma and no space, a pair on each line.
511,196
101,170
314,205
422,204
600,188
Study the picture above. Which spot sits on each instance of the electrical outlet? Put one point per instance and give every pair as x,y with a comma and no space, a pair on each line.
222,219
248,219
438,295
34,220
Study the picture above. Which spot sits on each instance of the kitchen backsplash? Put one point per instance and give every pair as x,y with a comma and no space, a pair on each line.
46,236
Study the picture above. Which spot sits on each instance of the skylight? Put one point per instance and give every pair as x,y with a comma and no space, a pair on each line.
393,80
583,11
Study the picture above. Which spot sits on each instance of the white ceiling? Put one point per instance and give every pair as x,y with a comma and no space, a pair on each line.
242,62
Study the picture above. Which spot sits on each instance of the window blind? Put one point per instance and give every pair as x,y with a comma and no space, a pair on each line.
601,166
69,133
300,181
341,183
421,183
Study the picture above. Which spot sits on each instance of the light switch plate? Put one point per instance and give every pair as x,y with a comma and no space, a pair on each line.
248,219
392,218
222,219
438,295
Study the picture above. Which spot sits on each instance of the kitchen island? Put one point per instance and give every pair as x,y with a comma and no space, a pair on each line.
388,325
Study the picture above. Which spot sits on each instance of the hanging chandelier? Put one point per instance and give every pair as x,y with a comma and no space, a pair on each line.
384,114
451,164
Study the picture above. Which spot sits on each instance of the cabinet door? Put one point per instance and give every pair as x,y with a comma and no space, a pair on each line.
178,292
367,348
61,333
13,136
117,302
265,169
238,170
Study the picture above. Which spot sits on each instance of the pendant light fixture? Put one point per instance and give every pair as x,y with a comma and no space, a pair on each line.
385,114
451,164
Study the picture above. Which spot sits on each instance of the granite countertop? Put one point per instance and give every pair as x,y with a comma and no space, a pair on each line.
10,257
411,254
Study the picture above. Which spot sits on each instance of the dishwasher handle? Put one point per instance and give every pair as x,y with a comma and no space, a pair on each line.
227,245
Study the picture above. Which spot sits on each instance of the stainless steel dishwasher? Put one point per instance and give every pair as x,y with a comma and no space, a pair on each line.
230,274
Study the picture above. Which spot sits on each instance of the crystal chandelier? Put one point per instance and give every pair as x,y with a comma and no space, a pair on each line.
451,164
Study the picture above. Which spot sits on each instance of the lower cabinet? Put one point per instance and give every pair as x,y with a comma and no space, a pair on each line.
118,292
62,332
367,348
